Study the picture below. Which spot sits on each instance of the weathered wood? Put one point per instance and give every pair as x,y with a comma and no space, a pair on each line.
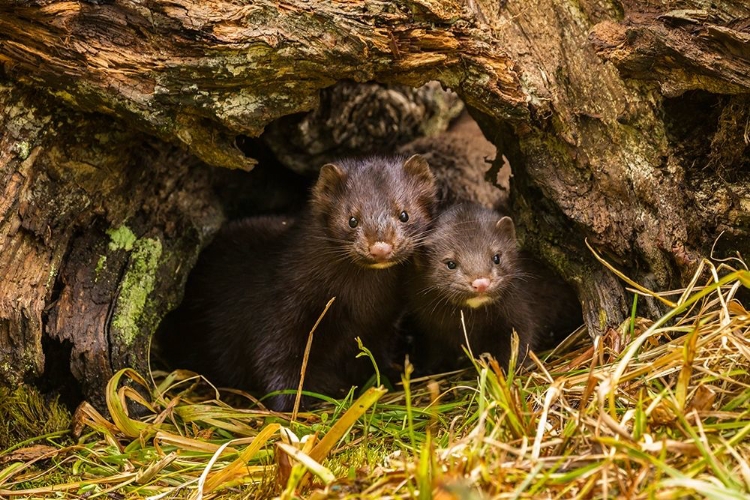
682,49
201,73
360,119
588,99
29,258
466,165
96,223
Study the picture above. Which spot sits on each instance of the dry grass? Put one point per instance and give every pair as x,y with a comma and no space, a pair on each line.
653,410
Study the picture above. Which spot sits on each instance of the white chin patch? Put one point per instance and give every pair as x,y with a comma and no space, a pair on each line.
381,265
475,302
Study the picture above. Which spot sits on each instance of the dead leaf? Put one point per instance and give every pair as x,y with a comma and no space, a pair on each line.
704,398
28,453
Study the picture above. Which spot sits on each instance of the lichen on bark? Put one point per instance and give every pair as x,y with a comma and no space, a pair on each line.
131,315
121,238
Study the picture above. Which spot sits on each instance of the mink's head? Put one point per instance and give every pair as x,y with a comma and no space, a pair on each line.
471,256
375,211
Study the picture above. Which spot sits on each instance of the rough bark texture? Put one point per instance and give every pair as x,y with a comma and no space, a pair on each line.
201,73
625,123
360,119
684,48
96,222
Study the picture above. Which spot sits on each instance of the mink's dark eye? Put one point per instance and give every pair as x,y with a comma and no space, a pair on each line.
403,217
450,264
496,258
353,222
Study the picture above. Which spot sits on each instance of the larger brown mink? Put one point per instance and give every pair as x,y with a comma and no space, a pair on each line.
258,289
471,262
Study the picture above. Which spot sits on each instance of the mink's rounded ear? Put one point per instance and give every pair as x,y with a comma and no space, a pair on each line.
418,167
330,180
506,228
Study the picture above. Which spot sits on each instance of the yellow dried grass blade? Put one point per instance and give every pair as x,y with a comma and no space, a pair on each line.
629,281
305,357
237,467
58,488
130,393
424,470
312,465
637,343
683,382
358,408
145,475
745,278
87,416
231,426
116,406
550,397
188,444
706,489
198,494
10,470
176,377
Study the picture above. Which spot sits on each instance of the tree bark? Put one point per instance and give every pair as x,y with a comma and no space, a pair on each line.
626,124
96,224
359,119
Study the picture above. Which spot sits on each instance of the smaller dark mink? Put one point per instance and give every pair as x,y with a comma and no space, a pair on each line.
471,262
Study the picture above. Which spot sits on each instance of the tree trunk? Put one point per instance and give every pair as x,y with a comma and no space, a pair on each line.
625,124
97,225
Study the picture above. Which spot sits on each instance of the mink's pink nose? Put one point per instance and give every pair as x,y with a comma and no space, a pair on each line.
381,250
480,284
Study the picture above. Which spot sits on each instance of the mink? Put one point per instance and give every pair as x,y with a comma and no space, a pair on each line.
471,262
259,287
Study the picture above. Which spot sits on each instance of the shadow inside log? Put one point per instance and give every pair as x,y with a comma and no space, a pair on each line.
360,121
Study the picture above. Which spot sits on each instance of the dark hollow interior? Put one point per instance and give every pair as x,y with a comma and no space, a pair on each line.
272,188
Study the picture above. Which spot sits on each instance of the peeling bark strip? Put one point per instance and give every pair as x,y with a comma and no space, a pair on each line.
683,49
202,72
28,266
646,178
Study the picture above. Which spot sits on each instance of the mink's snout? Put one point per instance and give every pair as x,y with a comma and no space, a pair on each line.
480,285
381,251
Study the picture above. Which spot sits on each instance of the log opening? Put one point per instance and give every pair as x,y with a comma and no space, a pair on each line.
588,99
359,120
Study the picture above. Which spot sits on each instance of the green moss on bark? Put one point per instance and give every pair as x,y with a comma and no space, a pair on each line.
121,238
139,280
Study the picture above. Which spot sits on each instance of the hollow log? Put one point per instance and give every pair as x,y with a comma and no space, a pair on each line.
625,123
96,223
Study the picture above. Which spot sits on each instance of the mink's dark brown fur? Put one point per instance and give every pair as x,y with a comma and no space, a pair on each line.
258,289
470,262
